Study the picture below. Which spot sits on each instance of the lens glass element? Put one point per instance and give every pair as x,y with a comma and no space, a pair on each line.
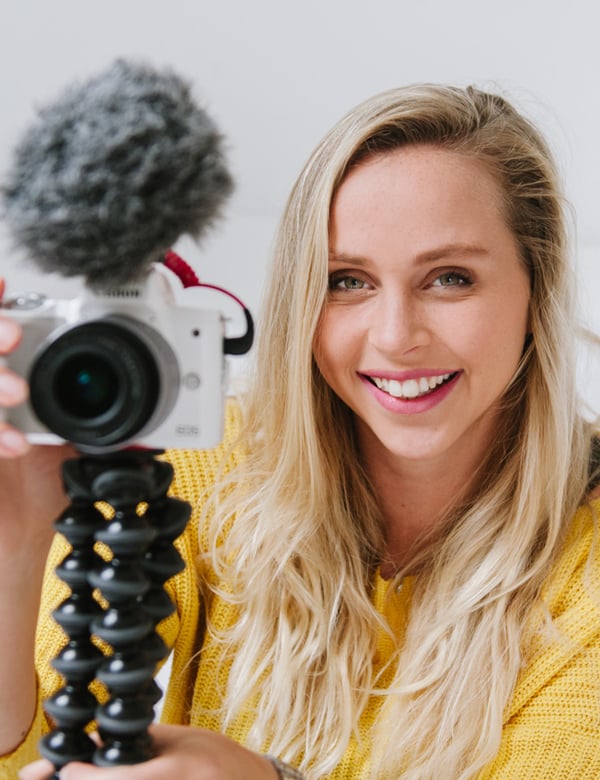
86,386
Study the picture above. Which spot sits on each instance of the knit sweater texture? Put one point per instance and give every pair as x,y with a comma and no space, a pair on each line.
551,728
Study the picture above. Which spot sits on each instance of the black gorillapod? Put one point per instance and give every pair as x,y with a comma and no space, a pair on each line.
139,533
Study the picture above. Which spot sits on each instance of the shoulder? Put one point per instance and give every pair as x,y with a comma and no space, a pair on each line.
577,571
562,652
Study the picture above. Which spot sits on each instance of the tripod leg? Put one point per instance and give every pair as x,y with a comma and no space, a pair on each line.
72,707
142,558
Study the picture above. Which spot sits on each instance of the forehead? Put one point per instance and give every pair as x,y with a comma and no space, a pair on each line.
418,189
421,162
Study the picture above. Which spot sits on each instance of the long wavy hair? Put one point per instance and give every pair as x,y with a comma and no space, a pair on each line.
300,556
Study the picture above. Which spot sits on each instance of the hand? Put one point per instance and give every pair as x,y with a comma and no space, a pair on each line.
183,752
31,494
13,388
31,498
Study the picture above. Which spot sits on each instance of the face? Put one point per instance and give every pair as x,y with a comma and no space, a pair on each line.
427,311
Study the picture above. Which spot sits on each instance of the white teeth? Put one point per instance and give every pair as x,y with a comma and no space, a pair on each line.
410,388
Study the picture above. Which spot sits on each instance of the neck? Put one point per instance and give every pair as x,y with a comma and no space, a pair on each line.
413,508
415,497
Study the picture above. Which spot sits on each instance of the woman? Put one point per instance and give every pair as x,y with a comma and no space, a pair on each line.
410,585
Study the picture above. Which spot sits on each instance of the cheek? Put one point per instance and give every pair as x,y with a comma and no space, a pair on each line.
496,336
490,332
322,347
331,345
319,346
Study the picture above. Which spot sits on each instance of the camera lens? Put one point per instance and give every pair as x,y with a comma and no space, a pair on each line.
98,384
86,386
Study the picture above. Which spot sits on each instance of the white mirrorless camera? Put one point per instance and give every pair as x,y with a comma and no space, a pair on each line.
129,367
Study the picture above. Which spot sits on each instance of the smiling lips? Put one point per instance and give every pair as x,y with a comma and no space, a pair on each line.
410,388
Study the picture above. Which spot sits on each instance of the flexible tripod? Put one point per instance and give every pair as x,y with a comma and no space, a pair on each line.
140,534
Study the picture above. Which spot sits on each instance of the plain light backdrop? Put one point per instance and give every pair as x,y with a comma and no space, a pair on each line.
275,75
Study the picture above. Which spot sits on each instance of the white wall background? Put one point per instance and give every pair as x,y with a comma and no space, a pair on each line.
276,74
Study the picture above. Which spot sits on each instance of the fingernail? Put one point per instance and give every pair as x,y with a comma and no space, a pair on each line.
13,442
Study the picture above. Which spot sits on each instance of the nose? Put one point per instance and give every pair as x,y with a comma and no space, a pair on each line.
398,325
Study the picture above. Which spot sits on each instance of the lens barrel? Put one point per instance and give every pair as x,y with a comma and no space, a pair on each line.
97,384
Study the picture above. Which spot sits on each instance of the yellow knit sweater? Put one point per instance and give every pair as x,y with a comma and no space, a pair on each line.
552,727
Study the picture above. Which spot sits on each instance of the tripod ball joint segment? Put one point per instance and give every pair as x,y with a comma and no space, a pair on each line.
143,522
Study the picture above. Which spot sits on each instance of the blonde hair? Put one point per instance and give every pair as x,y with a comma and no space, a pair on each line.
306,540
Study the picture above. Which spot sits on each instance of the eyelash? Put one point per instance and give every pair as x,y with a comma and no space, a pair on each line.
337,278
463,279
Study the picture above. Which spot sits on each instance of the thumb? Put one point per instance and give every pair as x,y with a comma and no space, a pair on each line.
75,770
39,770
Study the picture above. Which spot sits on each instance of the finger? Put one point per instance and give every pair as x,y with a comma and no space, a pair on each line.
13,443
39,770
78,771
13,388
10,334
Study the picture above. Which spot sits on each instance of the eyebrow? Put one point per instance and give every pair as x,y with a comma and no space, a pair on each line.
446,251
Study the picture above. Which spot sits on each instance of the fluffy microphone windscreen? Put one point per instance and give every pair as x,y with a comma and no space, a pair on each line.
112,173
